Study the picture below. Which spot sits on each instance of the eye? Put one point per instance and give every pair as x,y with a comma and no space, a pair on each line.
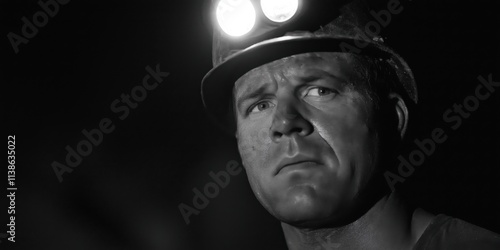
261,106
319,91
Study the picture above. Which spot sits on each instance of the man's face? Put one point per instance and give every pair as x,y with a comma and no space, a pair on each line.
306,138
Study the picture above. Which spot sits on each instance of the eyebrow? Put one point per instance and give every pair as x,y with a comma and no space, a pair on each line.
319,74
251,95
314,75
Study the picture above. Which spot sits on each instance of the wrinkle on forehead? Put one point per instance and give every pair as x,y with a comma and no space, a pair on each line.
286,67
314,57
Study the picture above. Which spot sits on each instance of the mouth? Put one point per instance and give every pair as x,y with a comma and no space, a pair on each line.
295,163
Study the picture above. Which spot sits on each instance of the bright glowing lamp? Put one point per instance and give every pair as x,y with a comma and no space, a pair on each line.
279,10
235,17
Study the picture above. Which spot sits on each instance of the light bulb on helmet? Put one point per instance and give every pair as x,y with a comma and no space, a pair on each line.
236,17
279,10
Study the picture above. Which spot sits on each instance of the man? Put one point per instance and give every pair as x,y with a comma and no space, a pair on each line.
319,112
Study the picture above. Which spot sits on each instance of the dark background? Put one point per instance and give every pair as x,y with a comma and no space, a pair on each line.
125,194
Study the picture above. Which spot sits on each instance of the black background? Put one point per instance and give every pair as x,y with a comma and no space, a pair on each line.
125,194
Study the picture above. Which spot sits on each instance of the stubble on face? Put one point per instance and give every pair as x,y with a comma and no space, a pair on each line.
341,138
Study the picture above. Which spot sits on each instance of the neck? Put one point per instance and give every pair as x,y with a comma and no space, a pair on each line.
389,224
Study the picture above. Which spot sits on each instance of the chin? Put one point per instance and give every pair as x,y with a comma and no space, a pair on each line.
303,217
305,210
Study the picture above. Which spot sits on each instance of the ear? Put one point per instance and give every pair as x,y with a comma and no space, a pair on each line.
401,111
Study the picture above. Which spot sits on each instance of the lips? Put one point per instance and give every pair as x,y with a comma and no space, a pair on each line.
293,161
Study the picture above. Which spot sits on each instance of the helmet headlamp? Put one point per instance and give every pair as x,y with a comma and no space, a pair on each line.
237,18
279,10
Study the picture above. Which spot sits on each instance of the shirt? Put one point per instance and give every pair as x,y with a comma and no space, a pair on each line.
445,232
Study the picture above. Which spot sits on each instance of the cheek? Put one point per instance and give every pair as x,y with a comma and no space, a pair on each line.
347,132
253,144
254,147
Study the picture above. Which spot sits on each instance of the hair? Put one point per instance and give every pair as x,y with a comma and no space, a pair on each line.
375,79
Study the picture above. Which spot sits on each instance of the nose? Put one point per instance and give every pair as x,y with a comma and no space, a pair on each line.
288,121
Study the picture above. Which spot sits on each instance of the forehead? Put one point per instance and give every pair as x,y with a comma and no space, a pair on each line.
339,65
